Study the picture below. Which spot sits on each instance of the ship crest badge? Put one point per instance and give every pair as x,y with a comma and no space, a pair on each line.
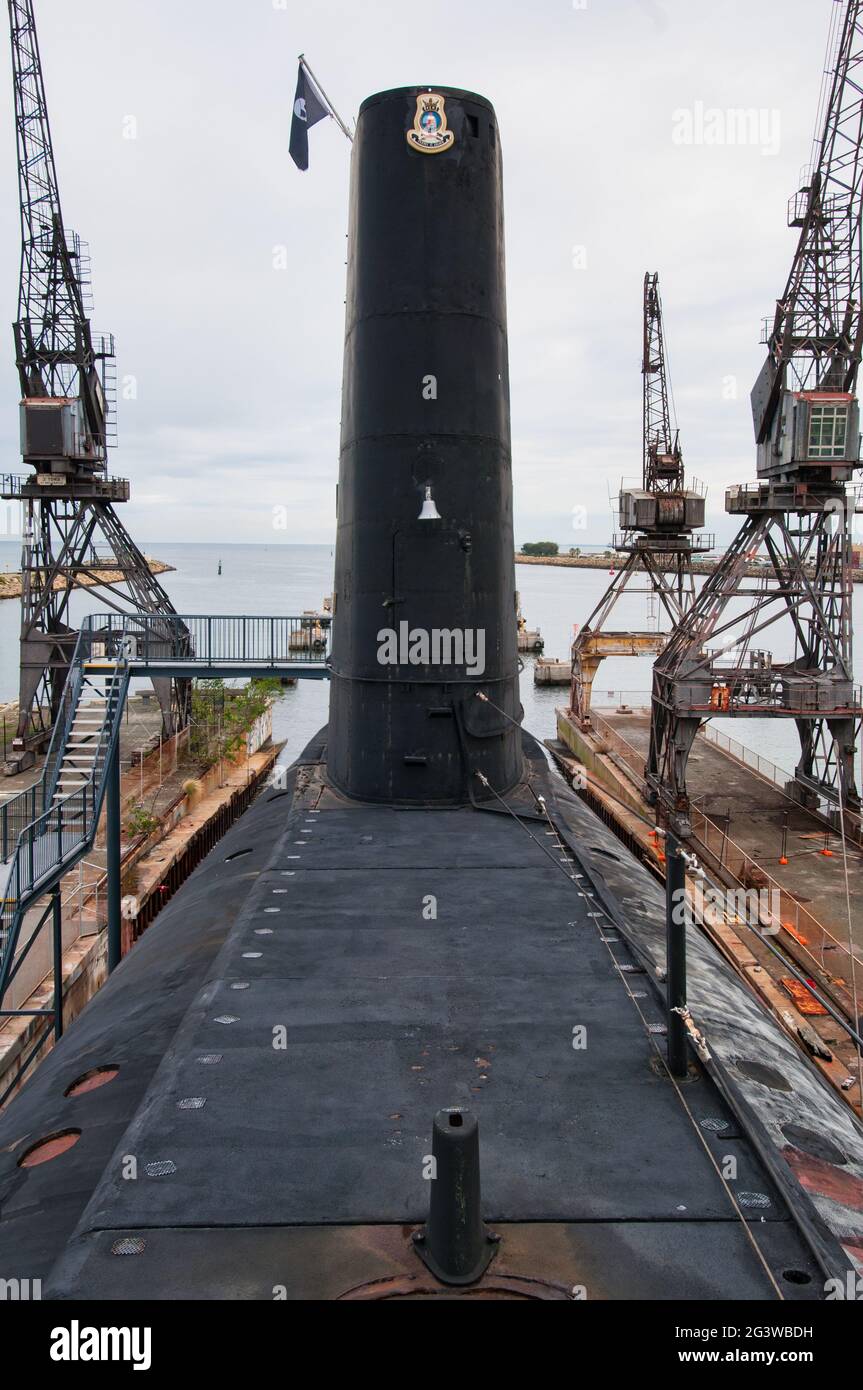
429,132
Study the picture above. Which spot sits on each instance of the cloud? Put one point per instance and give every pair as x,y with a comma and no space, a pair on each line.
237,364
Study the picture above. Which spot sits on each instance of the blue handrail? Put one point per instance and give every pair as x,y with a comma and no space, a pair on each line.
208,640
55,839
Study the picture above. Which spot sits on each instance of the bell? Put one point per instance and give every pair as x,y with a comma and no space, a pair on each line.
429,510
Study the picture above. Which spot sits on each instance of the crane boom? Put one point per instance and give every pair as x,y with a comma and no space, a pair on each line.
62,387
663,462
815,340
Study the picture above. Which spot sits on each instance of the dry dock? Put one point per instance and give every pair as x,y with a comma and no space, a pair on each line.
743,825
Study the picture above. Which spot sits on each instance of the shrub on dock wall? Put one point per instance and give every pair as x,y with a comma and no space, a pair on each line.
221,716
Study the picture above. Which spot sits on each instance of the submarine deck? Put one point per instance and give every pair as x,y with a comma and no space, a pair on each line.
380,964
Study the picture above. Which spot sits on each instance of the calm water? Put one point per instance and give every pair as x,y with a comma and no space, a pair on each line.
285,579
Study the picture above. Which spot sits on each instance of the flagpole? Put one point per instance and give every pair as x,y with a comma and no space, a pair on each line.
333,112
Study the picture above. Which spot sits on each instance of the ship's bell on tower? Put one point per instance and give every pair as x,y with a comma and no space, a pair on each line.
429,511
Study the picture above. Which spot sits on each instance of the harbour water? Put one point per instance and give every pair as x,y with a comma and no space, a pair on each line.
286,579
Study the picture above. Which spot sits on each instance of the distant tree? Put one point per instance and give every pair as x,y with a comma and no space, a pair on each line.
539,548
575,550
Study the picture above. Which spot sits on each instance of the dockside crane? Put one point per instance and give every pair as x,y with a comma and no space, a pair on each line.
658,526
71,529
801,510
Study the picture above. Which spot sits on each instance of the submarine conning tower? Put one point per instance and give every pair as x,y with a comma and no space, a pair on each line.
425,611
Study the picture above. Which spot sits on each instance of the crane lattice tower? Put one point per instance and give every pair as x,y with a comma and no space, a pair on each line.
71,530
800,511
658,526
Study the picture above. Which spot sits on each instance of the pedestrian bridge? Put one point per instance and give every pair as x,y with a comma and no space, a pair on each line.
207,646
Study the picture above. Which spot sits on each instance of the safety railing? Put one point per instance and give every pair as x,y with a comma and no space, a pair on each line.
693,541
810,934
763,766
57,834
209,641
87,894
752,691
16,814
44,844
62,725
620,746
22,810
774,774
15,486
807,930
614,699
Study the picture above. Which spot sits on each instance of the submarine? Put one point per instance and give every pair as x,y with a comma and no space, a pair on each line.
403,1034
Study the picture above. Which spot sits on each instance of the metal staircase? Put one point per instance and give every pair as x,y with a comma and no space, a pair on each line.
49,827
81,749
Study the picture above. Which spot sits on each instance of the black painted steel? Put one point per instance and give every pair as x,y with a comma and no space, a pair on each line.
57,952
383,1018
425,405
114,828
455,1244
677,911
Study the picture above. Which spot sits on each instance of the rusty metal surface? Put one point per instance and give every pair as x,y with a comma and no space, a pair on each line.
416,1286
410,1279
678,1261
742,1038
803,998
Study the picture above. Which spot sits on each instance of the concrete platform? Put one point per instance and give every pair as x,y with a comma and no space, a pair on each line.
728,792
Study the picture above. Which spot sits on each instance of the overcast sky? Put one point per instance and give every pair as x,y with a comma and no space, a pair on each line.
605,108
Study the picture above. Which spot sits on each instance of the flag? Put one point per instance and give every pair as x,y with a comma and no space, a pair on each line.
308,110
